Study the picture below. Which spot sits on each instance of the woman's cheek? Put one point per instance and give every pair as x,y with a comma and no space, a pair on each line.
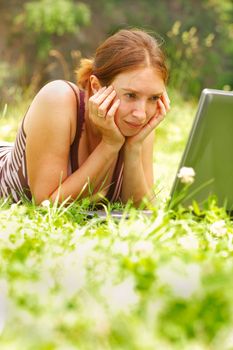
121,111
152,111
117,116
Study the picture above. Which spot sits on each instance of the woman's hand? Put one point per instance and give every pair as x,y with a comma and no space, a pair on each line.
163,106
102,109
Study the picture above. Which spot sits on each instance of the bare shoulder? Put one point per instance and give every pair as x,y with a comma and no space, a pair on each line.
57,89
54,104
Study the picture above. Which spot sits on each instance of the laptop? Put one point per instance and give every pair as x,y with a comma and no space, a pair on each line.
209,152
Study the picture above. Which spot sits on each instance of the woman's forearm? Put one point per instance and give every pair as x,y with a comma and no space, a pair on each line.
92,172
135,185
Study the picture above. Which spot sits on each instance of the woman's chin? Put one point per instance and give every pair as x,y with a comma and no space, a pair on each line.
128,133
127,129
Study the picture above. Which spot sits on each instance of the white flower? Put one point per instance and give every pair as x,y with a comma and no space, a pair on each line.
72,267
143,247
46,203
72,276
218,228
121,248
186,175
101,324
14,206
120,297
188,242
212,241
183,279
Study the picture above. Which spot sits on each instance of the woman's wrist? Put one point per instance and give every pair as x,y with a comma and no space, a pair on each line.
133,147
112,149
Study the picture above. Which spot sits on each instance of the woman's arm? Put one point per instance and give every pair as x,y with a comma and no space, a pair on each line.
92,172
138,158
50,127
138,171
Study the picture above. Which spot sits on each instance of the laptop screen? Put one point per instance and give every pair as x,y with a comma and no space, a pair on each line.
209,151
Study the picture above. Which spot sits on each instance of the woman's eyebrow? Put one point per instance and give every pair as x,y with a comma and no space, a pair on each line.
158,94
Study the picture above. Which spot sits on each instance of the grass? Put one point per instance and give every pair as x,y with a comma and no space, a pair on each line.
161,282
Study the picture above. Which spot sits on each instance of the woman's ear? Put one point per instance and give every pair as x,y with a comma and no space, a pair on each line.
95,84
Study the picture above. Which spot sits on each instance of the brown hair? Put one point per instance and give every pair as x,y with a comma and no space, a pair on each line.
126,50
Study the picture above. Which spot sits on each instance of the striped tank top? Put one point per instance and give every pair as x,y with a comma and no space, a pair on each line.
13,168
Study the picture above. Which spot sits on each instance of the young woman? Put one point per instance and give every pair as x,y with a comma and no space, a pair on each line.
97,136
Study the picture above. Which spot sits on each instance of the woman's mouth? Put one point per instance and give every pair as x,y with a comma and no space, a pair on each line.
133,125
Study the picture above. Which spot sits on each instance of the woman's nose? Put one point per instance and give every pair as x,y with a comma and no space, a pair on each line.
139,112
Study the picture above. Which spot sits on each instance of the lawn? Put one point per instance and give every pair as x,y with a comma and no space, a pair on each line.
140,283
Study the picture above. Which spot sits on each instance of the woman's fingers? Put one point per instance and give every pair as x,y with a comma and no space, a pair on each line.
99,92
103,108
100,96
166,100
158,117
154,121
162,108
101,101
113,109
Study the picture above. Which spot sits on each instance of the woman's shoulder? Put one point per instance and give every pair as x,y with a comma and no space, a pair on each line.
59,90
57,95
55,103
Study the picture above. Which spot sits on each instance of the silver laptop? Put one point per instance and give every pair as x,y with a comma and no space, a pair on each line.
209,152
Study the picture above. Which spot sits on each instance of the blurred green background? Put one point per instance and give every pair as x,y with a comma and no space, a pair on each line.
44,40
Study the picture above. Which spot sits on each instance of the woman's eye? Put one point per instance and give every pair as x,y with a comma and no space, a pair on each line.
154,98
130,95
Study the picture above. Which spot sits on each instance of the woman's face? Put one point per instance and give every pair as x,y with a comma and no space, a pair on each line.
138,91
